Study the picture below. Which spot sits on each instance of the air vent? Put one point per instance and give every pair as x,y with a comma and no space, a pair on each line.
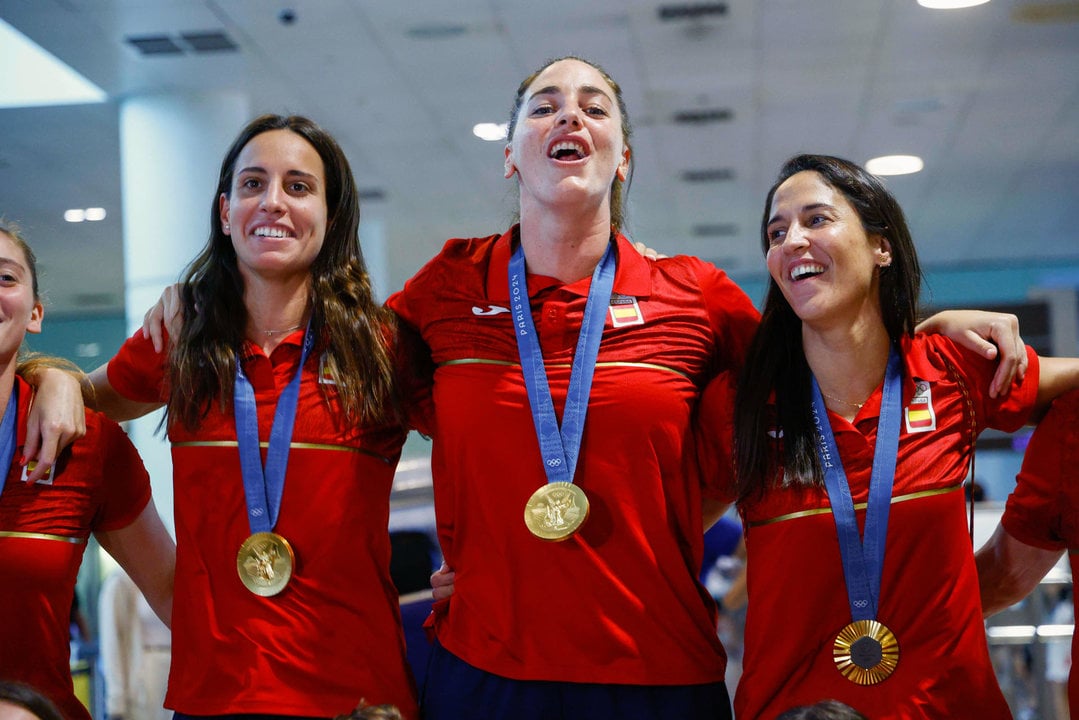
692,11
154,45
435,31
1047,12
708,175
703,115
715,230
372,194
209,41
104,299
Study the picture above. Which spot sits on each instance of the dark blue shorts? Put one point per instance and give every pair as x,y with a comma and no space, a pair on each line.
456,690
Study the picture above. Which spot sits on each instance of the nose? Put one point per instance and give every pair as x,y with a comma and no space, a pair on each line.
796,238
570,115
272,198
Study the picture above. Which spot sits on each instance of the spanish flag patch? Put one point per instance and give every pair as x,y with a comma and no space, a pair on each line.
920,414
625,311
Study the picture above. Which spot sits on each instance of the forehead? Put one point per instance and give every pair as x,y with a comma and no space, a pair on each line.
280,150
568,75
10,251
804,189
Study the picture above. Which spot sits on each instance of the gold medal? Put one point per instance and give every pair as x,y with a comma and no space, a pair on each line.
866,652
265,563
556,511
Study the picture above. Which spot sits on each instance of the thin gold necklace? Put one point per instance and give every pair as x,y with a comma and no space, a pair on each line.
841,400
270,333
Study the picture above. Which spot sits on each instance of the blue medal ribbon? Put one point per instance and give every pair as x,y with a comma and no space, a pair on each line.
559,447
263,487
863,561
8,430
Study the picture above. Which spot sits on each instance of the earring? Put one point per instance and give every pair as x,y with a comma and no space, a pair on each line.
225,227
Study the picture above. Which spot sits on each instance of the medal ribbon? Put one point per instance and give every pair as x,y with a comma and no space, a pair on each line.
263,487
863,561
7,436
560,446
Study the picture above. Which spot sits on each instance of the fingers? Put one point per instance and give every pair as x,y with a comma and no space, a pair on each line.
442,582
153,325
164,317
647,251
45,440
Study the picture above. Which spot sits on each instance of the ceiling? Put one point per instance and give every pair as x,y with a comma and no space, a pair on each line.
989,96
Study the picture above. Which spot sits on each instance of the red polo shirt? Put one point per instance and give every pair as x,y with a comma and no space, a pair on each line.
929,590
99,484
333,635
1043,510
618,602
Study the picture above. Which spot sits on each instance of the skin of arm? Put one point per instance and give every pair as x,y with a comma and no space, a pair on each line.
1008,570
147,553
1058,375
99,394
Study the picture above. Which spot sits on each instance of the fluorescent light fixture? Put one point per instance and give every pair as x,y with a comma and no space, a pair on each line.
950,4
95,214
75,215
34,77
895,165
491,132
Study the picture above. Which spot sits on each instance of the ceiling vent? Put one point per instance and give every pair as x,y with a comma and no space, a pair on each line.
692,11
210,41
713,230
708,175
703,115
372,194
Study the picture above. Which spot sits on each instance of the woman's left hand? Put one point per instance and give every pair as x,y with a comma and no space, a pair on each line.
990,334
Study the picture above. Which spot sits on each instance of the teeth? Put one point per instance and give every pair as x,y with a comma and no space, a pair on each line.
804,270
270,232
567,145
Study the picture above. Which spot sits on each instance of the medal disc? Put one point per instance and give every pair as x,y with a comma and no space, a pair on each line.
265,563
866,652
556,511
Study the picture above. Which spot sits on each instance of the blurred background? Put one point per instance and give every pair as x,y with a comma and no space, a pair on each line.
109,155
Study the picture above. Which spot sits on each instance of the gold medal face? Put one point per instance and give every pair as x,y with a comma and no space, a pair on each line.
556,511
866,652
265,563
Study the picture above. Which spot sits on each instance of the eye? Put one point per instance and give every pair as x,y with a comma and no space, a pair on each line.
251,183
776,235
299,188
541,110
8,278
597,111
817,220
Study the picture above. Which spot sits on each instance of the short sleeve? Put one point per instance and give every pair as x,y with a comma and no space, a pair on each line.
714,436
137,372
125,488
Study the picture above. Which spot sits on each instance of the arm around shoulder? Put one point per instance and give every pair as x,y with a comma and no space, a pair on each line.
1008,570
100,395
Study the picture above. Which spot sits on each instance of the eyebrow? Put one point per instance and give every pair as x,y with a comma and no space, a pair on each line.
813,206
585,89
290,173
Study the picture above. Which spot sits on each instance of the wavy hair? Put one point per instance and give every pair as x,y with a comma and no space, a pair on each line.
356,331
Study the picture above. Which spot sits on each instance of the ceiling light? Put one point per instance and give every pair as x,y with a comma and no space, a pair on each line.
95,214
75,215
895,165
950,4
41,79
491,132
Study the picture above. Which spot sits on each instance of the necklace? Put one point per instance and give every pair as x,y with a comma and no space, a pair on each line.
271,333
841,400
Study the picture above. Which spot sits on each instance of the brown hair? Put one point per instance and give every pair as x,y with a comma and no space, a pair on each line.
345,316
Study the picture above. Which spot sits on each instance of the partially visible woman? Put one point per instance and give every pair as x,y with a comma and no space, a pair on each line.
846,419
98,487
22,702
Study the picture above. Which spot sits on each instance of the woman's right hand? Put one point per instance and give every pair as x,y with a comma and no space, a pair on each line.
442,583
165,316
56,419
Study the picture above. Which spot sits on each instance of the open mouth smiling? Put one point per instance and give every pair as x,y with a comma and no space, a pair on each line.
567,150
807,270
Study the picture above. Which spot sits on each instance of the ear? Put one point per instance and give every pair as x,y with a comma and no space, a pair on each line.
623,167
223,211
884,252
510,167
36,316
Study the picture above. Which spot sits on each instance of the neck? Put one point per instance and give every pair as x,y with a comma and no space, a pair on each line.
274,309
566,248
849,364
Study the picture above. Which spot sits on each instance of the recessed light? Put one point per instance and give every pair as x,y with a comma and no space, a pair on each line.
895,165
95,214
950,4
491,132
75,215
